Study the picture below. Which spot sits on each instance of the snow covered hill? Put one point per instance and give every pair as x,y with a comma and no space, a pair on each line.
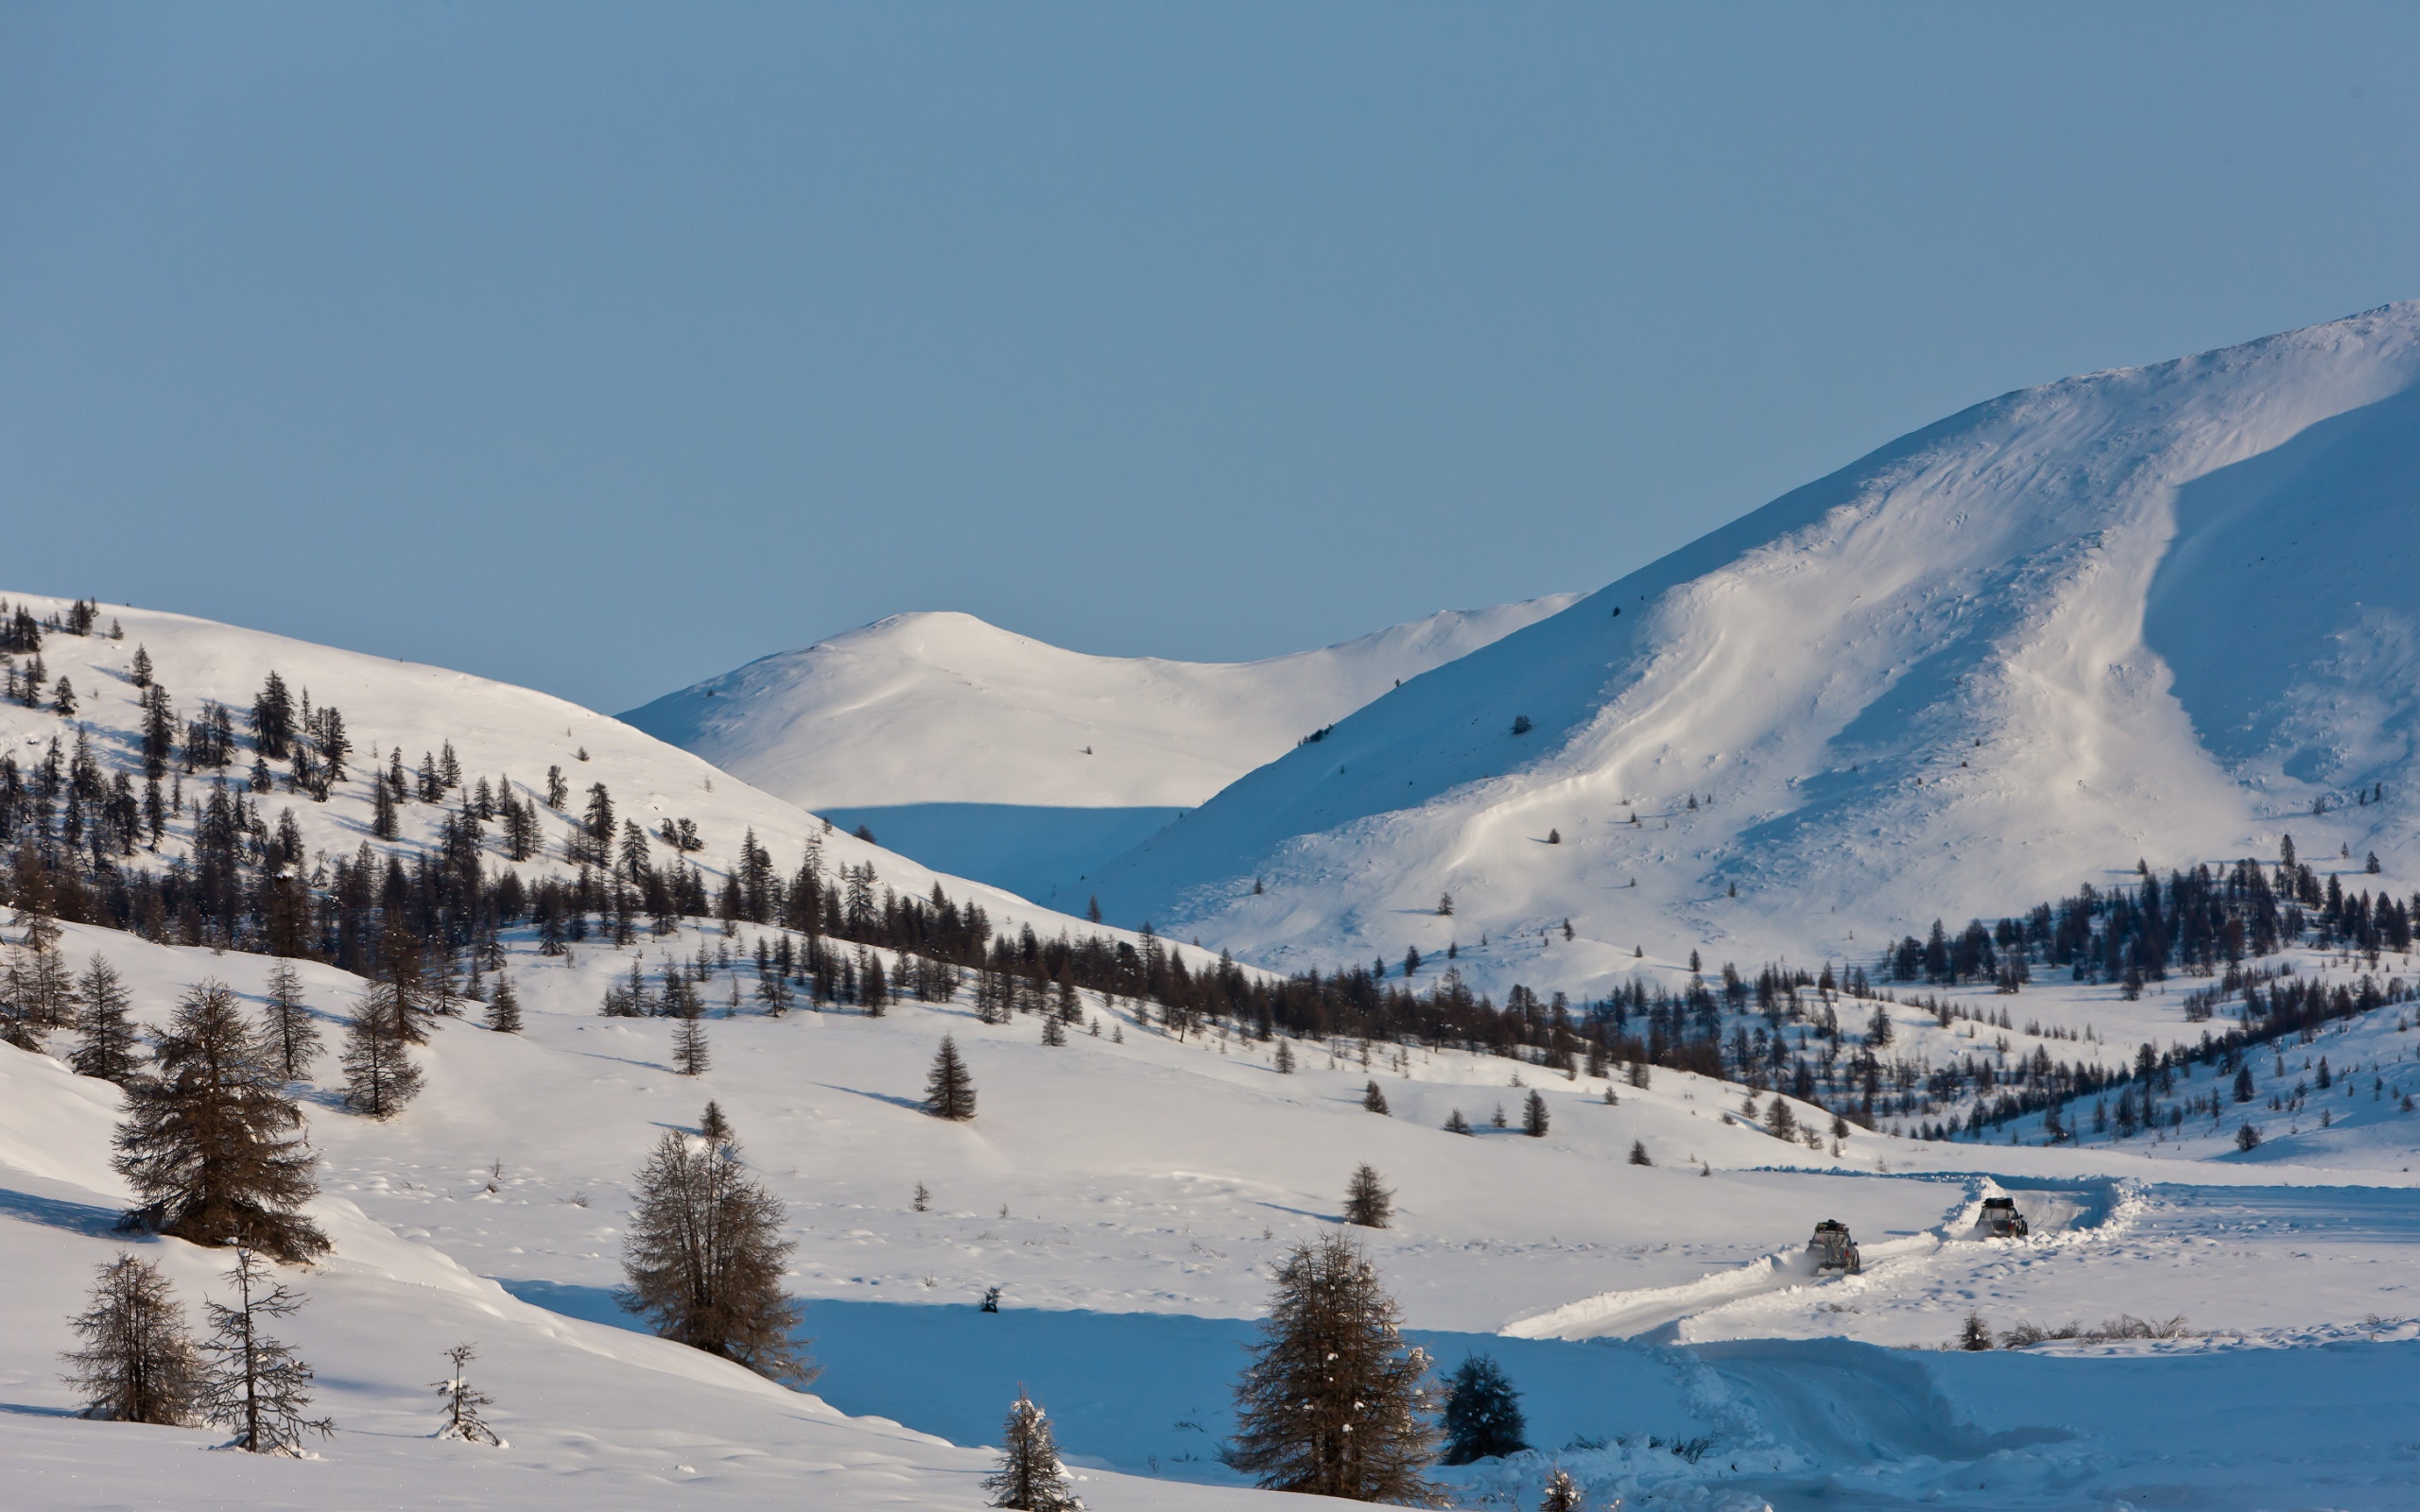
1129,1189
991,754
504,736
2162,614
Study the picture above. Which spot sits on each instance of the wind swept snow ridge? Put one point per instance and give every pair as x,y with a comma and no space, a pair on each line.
1995,658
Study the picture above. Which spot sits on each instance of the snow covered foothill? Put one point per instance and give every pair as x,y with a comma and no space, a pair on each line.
995,755
1996,659
1149,1182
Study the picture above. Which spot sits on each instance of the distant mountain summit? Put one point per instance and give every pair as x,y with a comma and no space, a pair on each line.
2165,614
1023,761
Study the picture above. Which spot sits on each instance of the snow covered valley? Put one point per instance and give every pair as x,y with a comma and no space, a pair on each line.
1685,1002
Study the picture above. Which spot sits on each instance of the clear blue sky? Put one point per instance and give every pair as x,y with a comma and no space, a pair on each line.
602,348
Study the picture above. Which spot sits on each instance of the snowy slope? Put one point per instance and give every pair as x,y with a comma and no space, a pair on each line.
2152,614
992,754
504,733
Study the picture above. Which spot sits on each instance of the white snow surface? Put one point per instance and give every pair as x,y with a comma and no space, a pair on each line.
1130,1191
1022,762
2154,613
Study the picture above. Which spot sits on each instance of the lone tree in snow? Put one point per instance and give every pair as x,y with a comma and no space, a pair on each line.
1368,1203
379,1077
1373,1099
108,1049
689,1057
137,1364
1334,1404
1562,1493
504,1007
1638,1153
212,1145
1030,1478
1482,1417
1533,1117
1456,1123
949,1091
703,1258
293,1036
1976,1335
255,1385
463,1402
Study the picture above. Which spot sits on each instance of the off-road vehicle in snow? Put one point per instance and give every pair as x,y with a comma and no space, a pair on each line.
1833,1249
2001,1220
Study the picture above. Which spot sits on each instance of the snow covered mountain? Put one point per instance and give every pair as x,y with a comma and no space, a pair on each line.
2164,614
995,755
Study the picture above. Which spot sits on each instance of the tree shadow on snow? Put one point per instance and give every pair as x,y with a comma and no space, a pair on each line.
55,1213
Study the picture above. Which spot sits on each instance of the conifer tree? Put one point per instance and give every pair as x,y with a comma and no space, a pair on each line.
1054,1029
1562,1494
1373,1098
949,1090
504,1008
1455,1124
1030,1479
1482,1417
1638,1153
463,1402
379,1077
704,1256
1334,1404
1533,1116
1284,1059
1367,1203
110,1049
255,1385
212,1145
137,1364
140,673
689,1056
293,1034
39,992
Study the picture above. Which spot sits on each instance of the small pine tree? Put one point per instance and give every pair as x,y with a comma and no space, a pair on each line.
1482,1417
1562,1493
463,1402
704,1256
2247,1137
137,1364
1030,1478
1533,1116
140,673
689,1056
1638,1153
293,1038
1367,1203
1976,1335
712,1127
110,1048
1334,1404
1284,1058
379,1077
1054,1029
504,1008
212,1145
1373,1099
255,1385
1455,1124
949,1090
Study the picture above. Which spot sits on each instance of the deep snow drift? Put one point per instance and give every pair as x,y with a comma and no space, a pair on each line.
992,754
2157,614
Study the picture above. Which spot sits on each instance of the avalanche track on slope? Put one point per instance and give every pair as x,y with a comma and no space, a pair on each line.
2149,613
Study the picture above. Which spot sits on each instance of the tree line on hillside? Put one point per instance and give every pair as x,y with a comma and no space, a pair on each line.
244,883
